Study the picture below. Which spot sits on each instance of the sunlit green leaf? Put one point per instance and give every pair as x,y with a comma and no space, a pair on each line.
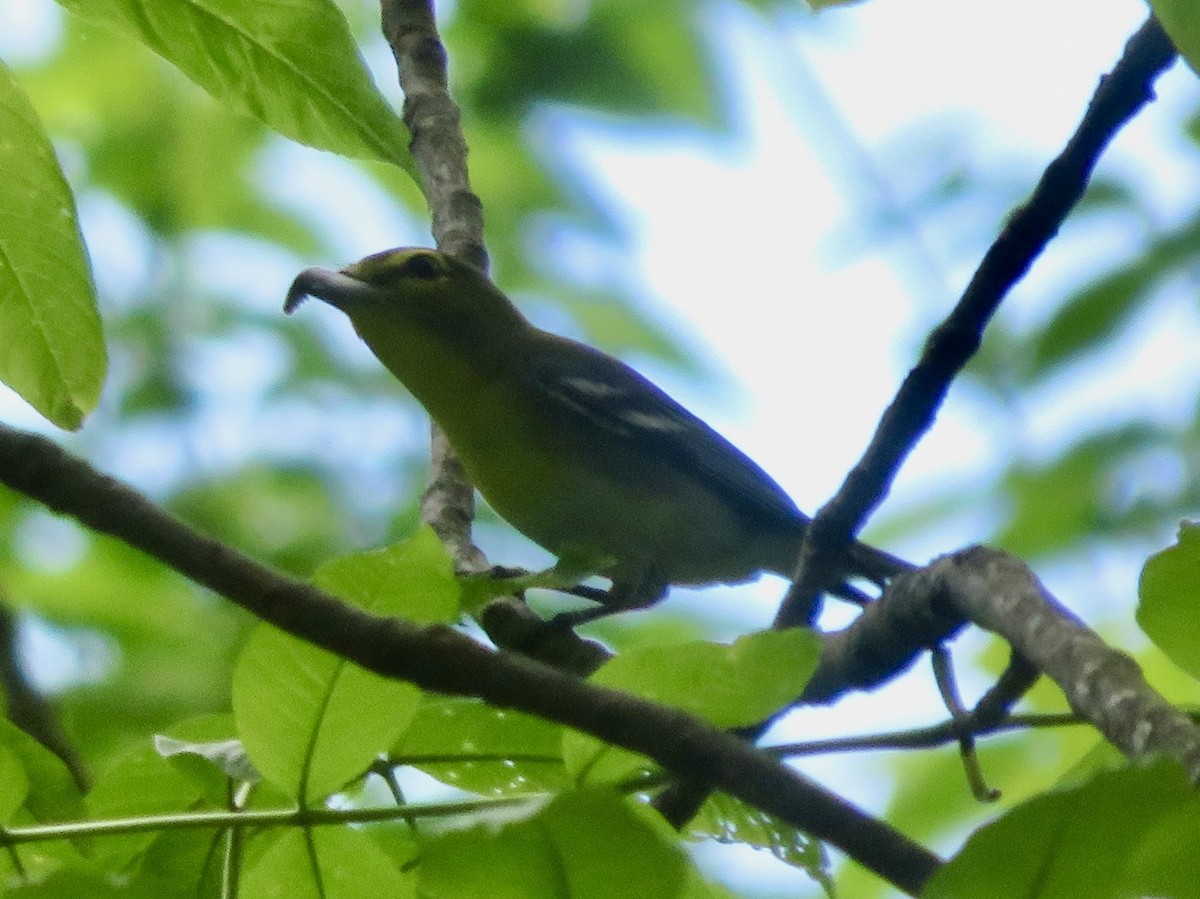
325,863
293,64
312,722
730,685
51,348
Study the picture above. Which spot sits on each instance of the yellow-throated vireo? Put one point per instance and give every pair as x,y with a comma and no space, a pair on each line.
572,447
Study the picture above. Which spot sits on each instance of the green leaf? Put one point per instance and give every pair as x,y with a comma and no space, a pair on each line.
1178,18
1168,596
730,685
413,580
728,820
52,794
142,783
1098,312
293,64
325,863
473,746
1080,842
584,845
14,783
51,347
69,883
1057,502
310,721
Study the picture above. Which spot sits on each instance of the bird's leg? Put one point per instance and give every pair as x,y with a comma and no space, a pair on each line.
644,588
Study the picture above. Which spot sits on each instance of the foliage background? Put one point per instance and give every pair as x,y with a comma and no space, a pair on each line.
282,437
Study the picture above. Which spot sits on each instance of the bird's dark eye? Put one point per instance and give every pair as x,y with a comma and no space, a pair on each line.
422,266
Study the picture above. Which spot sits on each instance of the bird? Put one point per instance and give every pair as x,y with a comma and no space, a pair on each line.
572,447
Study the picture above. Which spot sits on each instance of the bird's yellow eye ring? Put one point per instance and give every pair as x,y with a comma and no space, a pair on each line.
422,266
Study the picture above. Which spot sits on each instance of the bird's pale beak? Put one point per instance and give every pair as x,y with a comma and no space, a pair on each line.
338,289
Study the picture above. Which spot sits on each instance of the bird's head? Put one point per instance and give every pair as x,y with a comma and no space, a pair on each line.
406,287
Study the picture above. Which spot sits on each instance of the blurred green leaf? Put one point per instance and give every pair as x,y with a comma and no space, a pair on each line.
292,64
1096,313
1080,842
51,348
284,515
1169,595
1178,18
70,883
1062,500
622,57
14,783
52,794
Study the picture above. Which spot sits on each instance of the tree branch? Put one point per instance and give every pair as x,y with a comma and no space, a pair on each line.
1000,593
1118,98
440,153
441,659
27,708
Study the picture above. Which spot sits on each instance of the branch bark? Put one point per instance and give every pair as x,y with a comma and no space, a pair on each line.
440,152
1000,593
441,659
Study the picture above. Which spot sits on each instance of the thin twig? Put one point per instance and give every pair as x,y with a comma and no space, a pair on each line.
922,737
943,671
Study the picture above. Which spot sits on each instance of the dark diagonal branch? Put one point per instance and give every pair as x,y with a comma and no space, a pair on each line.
1120,95
441,659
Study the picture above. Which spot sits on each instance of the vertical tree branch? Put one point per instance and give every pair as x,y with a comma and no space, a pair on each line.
440,152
